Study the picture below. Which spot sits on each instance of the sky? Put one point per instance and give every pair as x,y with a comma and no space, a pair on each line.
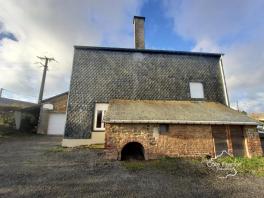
31,28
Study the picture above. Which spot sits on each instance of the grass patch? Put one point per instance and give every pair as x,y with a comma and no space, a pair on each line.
134,165
58,149
253,166
6,132
162,164
97,146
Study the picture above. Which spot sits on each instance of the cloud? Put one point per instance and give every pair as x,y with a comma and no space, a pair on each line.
6,35
52,28
234,28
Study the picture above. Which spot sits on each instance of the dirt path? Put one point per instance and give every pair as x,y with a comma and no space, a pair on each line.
32,166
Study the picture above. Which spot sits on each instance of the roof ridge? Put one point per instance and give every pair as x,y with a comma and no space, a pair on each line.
147,50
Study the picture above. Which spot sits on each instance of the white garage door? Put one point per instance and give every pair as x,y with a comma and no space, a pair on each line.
56,123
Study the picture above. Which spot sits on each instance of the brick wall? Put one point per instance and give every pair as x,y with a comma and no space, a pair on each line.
253,141
59,103
181,140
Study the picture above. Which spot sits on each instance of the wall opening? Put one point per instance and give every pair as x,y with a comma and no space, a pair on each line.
237,138
132,151
220,138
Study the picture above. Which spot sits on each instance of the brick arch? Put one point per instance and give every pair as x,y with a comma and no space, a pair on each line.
133,150
127,141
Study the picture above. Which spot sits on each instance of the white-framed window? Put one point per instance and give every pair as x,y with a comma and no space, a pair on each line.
197,90
100,110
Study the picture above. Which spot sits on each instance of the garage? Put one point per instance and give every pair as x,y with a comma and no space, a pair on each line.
56,123
52,116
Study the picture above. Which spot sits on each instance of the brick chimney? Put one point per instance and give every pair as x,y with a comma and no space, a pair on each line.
139,35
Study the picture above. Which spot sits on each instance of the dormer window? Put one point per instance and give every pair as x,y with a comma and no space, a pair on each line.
197,90
100,110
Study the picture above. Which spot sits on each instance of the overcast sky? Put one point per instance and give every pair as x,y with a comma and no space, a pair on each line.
52,27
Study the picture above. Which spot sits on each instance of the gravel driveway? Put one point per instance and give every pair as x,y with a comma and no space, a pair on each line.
32,166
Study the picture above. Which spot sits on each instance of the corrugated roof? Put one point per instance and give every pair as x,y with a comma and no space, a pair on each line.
178,112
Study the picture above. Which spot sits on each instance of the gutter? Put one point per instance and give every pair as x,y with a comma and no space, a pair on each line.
180,122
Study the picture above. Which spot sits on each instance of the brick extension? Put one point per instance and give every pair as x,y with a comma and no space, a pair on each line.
181,140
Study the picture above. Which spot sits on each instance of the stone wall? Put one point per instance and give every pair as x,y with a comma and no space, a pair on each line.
180,140
253,143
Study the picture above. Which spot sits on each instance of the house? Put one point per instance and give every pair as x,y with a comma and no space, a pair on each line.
145,103
13,112
260,117
52,116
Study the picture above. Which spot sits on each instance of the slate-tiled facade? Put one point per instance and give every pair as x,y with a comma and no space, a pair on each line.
102,74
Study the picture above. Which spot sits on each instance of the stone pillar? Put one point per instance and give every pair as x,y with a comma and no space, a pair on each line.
252,141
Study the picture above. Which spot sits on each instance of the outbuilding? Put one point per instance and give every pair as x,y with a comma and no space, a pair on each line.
148,129
52,117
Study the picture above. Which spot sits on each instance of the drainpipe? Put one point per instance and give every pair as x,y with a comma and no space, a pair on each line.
224,82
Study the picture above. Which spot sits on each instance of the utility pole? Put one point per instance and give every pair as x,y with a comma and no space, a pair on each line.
1,92
45,68
237,106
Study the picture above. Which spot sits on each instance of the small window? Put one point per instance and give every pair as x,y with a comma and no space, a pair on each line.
197,90
163,128
99,119
100,110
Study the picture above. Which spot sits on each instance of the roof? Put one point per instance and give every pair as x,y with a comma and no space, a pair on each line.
50,98
257,116
14,103
152,51
174,112
7,104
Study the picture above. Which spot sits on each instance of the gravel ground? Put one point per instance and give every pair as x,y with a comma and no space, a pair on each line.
32,166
